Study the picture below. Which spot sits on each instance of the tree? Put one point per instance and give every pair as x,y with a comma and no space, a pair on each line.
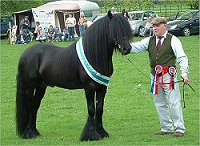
194,4
8,7
129,5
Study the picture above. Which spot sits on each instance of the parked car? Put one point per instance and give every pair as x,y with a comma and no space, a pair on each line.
138,20
186,24
98,16
6,23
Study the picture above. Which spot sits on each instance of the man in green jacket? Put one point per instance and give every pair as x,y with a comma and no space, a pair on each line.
165,50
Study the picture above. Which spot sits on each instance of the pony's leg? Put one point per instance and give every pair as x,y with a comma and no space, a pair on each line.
89,132
100,95
33,103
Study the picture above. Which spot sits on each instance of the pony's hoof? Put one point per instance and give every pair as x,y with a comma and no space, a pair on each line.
91,136
103,133
30,133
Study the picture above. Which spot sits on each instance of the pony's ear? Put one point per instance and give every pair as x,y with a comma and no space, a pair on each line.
123,11
110,14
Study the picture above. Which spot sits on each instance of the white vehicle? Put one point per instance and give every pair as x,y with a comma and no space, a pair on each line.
138,20
98,16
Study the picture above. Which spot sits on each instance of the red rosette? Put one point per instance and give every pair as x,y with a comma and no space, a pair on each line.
158,69
172,70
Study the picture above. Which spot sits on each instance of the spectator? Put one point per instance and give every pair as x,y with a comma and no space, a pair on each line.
113,10
82,23
125,13
41,37
148,29
21,38
25,26
63,35
51,33
57,32
70,25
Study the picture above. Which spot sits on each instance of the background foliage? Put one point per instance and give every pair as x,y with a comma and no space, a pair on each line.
9,6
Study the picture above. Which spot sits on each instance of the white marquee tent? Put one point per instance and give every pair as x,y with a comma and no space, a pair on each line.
56,12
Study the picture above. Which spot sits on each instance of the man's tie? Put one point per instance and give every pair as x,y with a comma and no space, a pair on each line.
159,43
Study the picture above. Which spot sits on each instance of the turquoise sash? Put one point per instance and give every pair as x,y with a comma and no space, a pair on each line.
99,78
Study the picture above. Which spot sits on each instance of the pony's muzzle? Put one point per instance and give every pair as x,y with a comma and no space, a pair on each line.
126,50
124,46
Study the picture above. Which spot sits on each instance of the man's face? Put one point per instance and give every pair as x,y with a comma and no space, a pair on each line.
159,29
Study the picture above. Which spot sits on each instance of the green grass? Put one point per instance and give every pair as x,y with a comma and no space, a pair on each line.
129,113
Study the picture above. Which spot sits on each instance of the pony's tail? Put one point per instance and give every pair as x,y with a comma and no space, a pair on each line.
21,107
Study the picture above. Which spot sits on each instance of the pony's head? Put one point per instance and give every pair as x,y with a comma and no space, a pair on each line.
120,32
105,35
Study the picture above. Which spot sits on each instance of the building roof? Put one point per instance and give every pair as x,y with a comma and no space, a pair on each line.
70,5
59,6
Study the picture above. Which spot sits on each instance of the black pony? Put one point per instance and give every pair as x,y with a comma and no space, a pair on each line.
43,65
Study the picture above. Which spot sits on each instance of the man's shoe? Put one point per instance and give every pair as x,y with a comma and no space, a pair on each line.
178,134
163,133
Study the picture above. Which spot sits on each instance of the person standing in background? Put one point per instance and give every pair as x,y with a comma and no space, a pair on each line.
148,27
125,14
70,25
113,10
25,26
82,23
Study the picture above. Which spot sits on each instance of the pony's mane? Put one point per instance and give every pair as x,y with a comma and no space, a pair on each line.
98,40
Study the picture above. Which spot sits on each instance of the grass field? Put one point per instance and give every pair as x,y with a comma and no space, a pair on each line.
129,113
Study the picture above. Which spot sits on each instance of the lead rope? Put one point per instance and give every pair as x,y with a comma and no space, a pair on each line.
147,76
184,104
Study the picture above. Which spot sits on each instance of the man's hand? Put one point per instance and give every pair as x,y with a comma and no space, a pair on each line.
185,80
